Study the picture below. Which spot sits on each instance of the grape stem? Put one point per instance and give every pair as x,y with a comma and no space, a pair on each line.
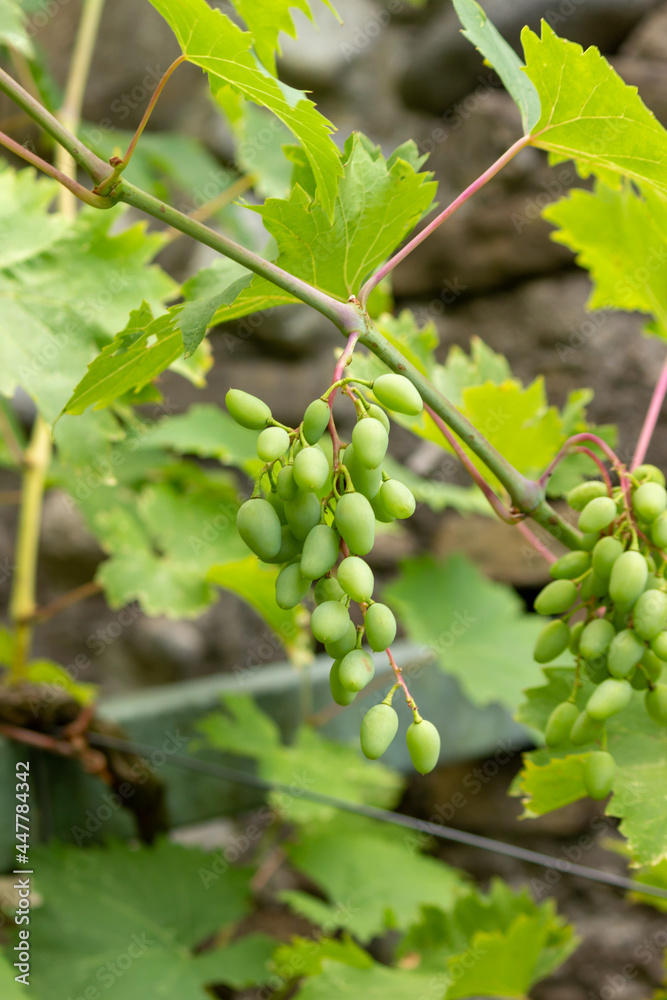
343,361
570,446
536,543
399,678
651,418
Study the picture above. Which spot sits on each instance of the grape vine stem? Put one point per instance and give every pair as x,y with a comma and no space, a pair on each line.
399,677
651,420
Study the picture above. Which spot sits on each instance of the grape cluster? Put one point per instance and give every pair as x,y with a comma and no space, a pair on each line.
616,582
313,512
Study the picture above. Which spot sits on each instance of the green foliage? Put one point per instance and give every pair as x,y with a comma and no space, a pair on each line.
267,18
590,115
376,203
479,30
65,297
619,236
477,629
212,42
12,27
553,778
310,761
120,929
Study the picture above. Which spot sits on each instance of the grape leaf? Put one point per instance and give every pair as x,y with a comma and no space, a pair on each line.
589,115
479,30
310,761
477,629
61,305
47,672
379,885
639,747
619,237
208,432
129,920
510,940
376,203
26,226
10,989
13,28
211,41
374,983
306,957
267,18
146,347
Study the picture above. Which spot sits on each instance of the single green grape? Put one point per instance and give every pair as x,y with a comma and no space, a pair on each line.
378,728
329,621
599,773
582,494
259,526
311,468
355,522
552,641
559,724
649,501
380,626
423,741
315,420
356,670
570,566
272,443
397,393
356,578
556,597
247,410
628,578
291,587
370,442
597,515
320,551
397,499
610,697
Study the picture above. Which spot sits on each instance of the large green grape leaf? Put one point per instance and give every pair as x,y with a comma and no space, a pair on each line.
60,306
620,237
129,921
512,942
376,203
477,630
267,18
310,761
12,27
340,981
553,778
211,41
146,347
378,885
26,226
479,30
590,115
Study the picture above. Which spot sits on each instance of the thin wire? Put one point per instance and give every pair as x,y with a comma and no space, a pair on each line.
386,816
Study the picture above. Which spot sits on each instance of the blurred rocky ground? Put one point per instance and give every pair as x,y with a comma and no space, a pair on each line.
394,72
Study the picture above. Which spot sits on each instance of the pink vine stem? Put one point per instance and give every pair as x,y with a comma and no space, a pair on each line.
536,543
474,473
399,677
439,219
341,365
651,418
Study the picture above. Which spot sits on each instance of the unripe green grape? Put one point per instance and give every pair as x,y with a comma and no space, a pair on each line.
272,443
559,724
599,771
659,645
320,551
575,637
597,515
355,522
311,468
339,694
365,481
588,540
656,704
356,578
652,665
570,566
291,587
315,420
247,410
328,589
649,501
605,554
356,670
341,647
610,697
552,641
259,526
585,730
659,532
654,582
628,578
370,441
378,728
303,512
329,621
650,613
397,393
277,504
378,413
290,547
596,638
423,741
397,499
380,511
592,586
380,626
625,652
649,474
285,484
556,597
582,494
596,669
